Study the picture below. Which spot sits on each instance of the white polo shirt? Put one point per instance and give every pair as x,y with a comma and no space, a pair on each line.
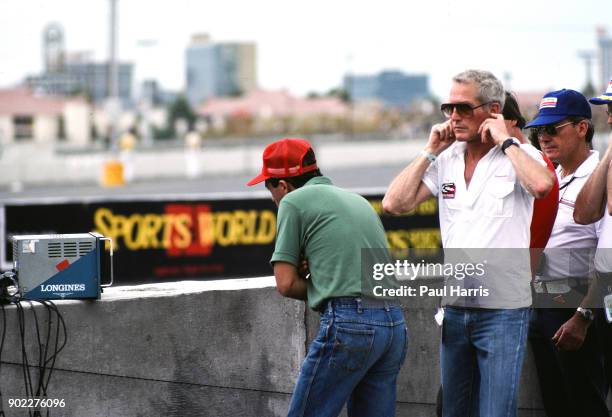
603,256
570,249
494,212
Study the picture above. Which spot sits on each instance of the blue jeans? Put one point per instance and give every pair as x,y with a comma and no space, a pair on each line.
481,357
355,358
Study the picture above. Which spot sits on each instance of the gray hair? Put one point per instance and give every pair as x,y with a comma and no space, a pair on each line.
489,87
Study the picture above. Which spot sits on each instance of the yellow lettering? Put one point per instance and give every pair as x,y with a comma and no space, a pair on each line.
130,230
182,226
106,224
206,228
163,231
417,238
222,225
267,228
152,225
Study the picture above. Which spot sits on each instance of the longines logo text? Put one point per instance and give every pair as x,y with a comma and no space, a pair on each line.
62,287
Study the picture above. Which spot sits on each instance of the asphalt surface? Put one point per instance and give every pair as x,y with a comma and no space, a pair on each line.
354,178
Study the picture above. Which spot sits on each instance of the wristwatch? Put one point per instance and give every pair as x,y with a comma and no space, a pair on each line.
509,142
585,313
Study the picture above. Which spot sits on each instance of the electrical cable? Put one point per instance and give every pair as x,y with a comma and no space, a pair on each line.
50,342
1,348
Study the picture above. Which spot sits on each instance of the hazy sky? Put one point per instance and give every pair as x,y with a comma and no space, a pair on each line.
309,45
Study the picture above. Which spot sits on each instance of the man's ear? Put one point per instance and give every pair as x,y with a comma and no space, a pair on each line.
496,107
286,186
583,127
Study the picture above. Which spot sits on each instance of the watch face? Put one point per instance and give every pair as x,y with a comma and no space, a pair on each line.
586,313
608,307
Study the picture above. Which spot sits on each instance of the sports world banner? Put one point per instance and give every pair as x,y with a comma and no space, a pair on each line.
157,240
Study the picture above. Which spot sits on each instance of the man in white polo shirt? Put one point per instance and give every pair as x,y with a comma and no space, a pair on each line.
565,344
591,207
486,182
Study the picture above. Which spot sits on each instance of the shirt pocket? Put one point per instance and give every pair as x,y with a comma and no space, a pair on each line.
499,199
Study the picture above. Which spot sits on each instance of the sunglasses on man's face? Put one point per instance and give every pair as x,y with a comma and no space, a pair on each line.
462,109
550,130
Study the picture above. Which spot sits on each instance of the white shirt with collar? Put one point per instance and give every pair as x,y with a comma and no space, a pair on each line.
493,212
603,256
487,220
570,249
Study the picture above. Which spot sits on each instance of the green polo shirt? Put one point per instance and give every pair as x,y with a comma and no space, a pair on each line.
330,226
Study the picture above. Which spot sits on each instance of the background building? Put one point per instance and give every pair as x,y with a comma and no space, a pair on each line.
219,69
76,74
26,117
393,88
604,42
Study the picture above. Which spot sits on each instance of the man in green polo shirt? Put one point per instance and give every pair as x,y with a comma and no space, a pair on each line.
321,234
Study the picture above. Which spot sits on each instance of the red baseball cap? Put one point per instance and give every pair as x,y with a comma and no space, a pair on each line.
283,159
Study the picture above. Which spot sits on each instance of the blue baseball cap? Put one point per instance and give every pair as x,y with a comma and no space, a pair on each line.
558,105
605,98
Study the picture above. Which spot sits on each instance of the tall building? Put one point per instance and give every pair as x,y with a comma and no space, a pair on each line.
219,69
604,42
77,73
393,88
53,48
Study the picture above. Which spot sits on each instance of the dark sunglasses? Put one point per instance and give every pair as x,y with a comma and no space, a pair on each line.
550,130
463,109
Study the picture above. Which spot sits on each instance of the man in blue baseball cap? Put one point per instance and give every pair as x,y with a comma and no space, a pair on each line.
564,340
560,105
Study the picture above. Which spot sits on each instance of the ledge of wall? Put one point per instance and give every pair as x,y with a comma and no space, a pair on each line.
215,348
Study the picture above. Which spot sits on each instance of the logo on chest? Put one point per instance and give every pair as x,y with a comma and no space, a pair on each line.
448,190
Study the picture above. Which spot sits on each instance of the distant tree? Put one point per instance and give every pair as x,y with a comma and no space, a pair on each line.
313,94
236,93
179,109
339,92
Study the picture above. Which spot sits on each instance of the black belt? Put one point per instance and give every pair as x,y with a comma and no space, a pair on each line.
358,302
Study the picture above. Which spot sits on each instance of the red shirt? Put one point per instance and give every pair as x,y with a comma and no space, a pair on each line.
543,218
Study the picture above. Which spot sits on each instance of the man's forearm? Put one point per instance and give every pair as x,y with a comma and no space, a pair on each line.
535,177
297,290
591,201
609,189
401,196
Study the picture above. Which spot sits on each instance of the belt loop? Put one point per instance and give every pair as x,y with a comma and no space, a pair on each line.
359,305
387,308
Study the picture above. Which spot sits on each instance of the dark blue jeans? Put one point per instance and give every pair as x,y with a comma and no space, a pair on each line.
482,355
354,359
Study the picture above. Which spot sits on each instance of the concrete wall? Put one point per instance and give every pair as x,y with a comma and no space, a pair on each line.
19,165
224,348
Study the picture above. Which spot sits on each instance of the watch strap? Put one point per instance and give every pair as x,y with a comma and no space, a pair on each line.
509,142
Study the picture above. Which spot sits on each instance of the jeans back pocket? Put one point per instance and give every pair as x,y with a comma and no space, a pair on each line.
352,347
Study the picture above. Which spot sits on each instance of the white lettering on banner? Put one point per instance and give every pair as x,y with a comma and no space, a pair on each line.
62,287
